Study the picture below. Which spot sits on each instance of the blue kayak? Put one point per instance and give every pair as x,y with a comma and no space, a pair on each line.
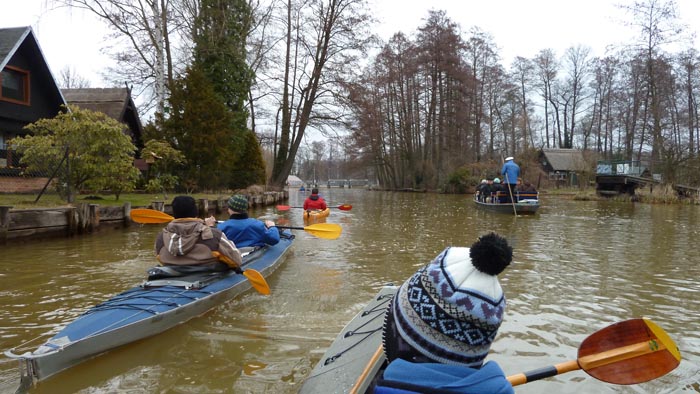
145,310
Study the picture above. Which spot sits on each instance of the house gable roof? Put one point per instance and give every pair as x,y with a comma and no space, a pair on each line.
565,159
12,39
116,103
110,101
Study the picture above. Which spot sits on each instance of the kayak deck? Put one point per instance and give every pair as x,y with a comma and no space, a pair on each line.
356,355
143,311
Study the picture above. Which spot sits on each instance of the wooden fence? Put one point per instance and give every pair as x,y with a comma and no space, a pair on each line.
85,218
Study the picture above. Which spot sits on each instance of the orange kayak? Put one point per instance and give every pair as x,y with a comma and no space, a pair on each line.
313,215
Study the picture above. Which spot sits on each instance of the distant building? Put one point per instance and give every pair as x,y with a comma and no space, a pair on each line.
563,166
116,103
294,181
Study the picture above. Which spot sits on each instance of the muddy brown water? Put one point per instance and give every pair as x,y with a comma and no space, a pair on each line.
578,267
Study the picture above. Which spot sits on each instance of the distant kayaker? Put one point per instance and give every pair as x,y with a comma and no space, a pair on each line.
245,231
187,240
450,310
314,201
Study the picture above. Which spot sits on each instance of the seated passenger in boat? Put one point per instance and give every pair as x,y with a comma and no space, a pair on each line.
482,190
245,231
187,240
495,188
528,188
450,310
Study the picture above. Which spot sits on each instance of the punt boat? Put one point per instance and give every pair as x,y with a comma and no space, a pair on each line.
525,203
162,302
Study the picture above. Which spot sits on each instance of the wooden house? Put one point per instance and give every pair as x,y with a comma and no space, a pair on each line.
29,91
563,166
116,103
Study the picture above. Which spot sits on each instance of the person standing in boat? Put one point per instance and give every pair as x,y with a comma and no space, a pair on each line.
450,310
511,173
187,240
314,201
245,231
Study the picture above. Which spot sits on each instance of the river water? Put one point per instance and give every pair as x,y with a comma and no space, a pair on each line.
578,266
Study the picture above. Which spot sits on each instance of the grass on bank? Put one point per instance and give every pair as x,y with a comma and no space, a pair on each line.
659,194
26,201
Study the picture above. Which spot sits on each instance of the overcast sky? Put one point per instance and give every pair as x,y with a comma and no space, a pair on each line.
518,27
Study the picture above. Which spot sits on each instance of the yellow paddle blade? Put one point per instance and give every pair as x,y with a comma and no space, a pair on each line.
257,281
665,339
149,216
321,230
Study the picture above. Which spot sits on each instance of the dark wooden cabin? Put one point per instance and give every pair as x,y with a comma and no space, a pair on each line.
29,91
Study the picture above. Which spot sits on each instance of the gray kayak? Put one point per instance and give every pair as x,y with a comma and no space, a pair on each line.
356,355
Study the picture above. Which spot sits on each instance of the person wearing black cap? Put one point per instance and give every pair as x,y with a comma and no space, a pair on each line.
187,240
510,172
245,231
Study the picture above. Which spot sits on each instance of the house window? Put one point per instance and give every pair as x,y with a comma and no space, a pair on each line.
15,85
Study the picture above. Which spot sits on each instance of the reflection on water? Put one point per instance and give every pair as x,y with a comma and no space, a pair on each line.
578,267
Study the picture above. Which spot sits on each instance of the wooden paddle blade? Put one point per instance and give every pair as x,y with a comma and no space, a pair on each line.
283,207
345,207
324,230
629,352
149,216
257,281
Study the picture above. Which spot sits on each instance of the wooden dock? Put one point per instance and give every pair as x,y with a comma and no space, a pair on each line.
609,185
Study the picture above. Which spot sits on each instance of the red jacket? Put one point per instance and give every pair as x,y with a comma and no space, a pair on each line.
314,202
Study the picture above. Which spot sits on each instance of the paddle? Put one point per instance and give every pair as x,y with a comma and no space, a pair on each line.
629,352
321,230
254,277
342,207
150,216
515,212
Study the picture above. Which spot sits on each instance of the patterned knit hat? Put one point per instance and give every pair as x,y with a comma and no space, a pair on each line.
238,202
450,310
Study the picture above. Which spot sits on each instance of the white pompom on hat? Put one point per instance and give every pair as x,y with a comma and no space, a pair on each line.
450,310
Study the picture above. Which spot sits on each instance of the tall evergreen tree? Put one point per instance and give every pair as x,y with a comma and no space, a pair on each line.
220,53
199,125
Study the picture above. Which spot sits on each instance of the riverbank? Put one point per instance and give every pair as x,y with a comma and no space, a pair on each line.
26,223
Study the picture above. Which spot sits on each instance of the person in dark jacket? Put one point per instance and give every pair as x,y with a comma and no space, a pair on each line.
314,201
187,240
245,231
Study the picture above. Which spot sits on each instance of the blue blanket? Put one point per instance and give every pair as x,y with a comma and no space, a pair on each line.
404,377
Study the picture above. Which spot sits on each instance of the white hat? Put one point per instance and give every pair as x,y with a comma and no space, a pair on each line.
509,158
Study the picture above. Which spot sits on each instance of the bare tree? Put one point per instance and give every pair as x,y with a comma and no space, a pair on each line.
546,67
522,74
143,33
657,21
323,39
68,78
578,62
